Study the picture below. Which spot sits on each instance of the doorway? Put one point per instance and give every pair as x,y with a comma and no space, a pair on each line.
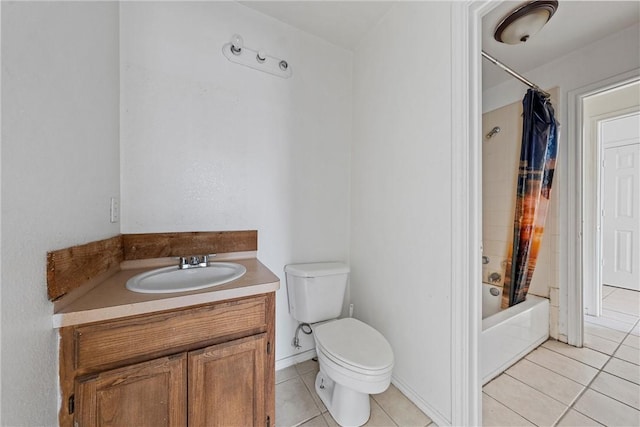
619,141
602,117
610,182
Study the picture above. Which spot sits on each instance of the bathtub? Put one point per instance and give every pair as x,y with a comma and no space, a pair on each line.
508,335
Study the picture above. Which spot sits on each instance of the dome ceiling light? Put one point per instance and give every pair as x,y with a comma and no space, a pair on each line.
524,21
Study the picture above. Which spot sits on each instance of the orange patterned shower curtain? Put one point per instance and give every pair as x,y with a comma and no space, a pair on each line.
537,164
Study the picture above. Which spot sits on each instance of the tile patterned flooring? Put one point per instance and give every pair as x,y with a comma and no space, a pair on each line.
297,403
556,384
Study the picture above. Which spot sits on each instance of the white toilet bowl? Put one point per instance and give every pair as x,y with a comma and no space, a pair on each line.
355,361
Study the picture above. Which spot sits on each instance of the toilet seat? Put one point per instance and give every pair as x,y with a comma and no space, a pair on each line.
355,346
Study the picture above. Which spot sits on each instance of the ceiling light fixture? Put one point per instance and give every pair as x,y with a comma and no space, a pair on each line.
524,21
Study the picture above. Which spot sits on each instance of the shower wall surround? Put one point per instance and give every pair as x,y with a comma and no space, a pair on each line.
500,159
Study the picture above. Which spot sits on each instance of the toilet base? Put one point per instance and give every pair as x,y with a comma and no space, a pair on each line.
347,406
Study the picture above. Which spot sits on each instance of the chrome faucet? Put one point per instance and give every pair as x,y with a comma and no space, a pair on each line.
193,261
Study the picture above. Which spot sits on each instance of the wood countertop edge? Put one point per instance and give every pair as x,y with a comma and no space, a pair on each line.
70,316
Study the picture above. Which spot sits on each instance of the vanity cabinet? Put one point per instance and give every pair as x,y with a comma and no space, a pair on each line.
226,384
152,393
208,365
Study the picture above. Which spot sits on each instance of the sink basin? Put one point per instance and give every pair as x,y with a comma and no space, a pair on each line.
172,279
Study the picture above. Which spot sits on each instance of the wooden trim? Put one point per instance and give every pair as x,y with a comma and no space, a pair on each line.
69,268
102,344
270,365
158,245
67,374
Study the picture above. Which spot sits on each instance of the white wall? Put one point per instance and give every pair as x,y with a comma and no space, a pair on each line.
210,145
613,55
401,205
0,227
59,168
207,144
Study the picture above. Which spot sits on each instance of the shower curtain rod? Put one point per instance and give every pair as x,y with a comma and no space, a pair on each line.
514,74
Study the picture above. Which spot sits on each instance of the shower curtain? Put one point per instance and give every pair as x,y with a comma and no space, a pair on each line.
537,163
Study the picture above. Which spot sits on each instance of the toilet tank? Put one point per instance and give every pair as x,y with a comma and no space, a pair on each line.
316,290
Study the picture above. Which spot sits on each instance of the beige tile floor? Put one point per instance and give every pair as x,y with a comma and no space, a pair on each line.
556,384
297,403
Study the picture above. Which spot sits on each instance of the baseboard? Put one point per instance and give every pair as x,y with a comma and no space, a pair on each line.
429,410
295,359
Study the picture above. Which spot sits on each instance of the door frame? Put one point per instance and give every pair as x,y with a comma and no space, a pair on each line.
592,291
613,115
466,208
578,271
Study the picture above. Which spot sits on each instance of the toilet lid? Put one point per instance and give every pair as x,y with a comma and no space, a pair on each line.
355,343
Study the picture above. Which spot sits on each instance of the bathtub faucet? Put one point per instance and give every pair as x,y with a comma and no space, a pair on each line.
494,277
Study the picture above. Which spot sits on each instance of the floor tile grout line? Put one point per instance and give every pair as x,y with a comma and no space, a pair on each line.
515,412
619,312
580,361
612,356
312,392
545,393
602,338
558,373
570,358
567,407
585,387
624,313
299,376
392,418
584,390
588,387
383,410
570,408
609,357
606,395
386,413
577,360
631,325
550,370
617,376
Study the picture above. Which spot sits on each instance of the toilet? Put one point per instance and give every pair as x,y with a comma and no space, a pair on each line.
355,359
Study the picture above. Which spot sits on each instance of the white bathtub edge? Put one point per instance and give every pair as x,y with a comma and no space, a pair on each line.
512,361
509,335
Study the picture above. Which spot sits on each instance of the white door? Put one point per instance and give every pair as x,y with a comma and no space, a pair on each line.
621,203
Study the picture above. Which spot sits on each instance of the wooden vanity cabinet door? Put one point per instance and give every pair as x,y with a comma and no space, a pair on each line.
227,383
150,394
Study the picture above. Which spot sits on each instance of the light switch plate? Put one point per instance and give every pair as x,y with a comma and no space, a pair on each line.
115,210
